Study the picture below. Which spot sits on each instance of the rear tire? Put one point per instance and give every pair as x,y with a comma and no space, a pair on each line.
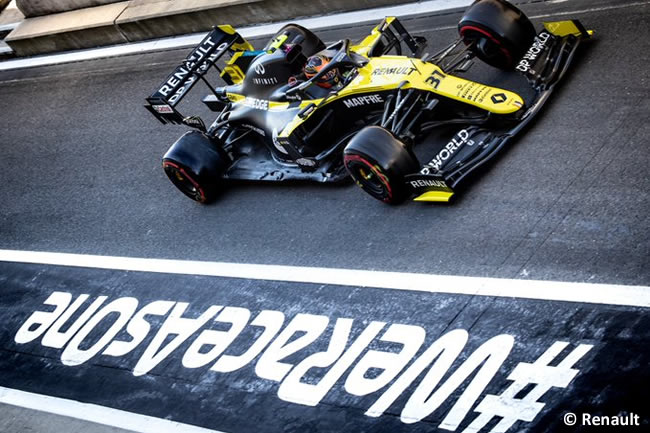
188,182
378,162
499,33
195,165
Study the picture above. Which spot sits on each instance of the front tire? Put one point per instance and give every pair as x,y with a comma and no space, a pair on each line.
498,32
378,162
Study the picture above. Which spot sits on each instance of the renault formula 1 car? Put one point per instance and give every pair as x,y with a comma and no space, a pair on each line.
275,122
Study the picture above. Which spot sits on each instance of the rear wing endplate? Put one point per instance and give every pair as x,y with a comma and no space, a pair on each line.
220,40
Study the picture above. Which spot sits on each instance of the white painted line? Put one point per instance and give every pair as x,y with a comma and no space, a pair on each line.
97,414
609,294
8,27
315,23
589,10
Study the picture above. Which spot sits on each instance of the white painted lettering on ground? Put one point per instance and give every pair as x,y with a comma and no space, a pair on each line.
399,371
196,356
123,307
180,327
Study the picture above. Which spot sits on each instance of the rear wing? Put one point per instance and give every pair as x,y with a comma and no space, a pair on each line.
220,40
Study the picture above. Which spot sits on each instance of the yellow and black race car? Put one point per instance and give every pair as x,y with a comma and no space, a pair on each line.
298,109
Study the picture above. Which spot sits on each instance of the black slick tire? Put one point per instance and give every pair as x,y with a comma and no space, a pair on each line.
378,162
497,32
195,166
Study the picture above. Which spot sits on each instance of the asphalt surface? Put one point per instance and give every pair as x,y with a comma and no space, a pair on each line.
568,201
18,419
333,358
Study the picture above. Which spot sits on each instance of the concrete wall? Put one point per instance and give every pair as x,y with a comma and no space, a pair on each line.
129,21
3,4
35,8
155,19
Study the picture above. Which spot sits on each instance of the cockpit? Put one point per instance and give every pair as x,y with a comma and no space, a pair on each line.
296,65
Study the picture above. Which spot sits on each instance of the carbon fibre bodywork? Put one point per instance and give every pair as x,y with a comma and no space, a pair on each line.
275,125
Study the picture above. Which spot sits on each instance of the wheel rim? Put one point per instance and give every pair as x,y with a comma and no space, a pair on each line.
184,181
369,176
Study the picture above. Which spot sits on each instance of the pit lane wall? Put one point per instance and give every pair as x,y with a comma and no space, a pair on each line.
37,8
77,24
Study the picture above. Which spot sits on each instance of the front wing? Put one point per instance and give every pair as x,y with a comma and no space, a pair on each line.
544,65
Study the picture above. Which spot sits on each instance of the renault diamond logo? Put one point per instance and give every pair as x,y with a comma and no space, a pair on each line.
499,98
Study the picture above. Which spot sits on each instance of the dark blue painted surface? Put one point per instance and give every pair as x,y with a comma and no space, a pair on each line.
612,376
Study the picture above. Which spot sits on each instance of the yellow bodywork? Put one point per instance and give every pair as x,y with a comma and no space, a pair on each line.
231,68
239,46
435,196
565,28
376,75
389,72
386,73
369,41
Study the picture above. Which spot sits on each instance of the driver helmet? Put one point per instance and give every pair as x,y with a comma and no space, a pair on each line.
314,65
